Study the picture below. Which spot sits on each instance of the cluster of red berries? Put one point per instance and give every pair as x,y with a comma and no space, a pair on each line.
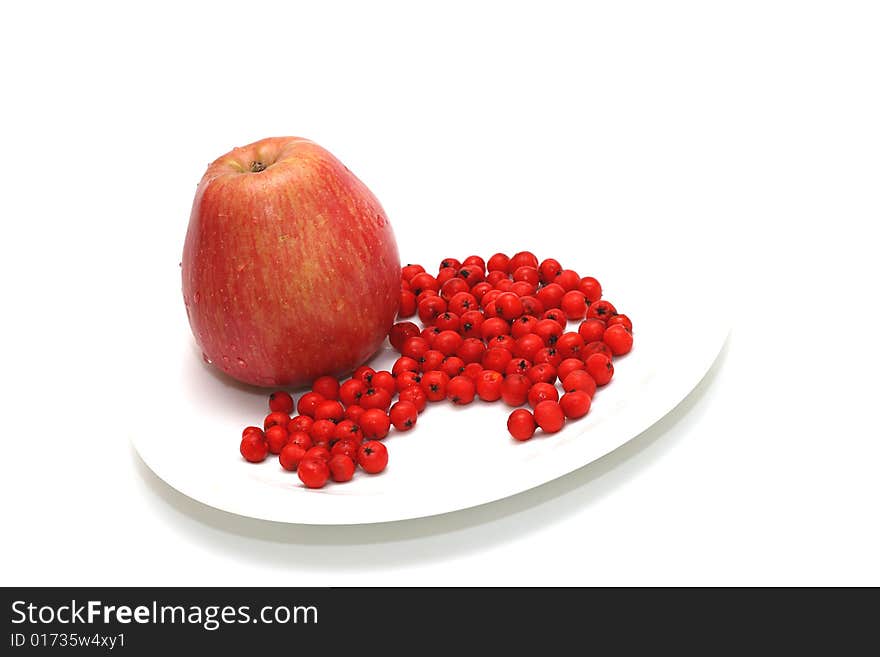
493,329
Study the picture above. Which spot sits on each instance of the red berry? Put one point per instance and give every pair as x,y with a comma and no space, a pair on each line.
347,446
472,371
493,327
575,404
496,358
579,380
423,281
569,345
300,438
548,330
515,389
601,310
541,391
448,342
568,279
494,276
517,366
445,274
400,332
291,455
313,472
528,346
462,302
341,468
475,261
508,306
590,288
461,390
574,304
376,398
281,402
597,347
618,339
322,432
522,259
329,409
407,305
276,437
352,390
504,285
567,366
308,402
434,383
375,423
498,262
453,366
318,452
415,347
521,424
523,289
430,333
431,308
416,395
591,330
549,416
480,289
557,316
274,419
453,287
354,413
432,360
326,386
542,372
473,274
406,379
527,274
404,364
523,326
532,305
300,423
548,355
364,373
502,341
254,448
623,320
550,295
489,385
373,457
252,430
471,350
470,324
408,271
384,379
448,321
404,415
548,270
452,263
600,368
348,429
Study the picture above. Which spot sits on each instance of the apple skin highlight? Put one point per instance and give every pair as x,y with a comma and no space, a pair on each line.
290,266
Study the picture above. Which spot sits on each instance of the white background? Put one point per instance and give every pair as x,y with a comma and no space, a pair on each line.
737,141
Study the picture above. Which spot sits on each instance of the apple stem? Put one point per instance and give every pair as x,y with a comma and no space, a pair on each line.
256,167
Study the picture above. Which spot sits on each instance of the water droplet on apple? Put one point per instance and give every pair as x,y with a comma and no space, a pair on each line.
225,358
205,358
241,363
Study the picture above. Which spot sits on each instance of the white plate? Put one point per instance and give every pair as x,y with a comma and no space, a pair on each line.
455,457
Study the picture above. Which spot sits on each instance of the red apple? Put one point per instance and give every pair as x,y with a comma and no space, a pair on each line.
290,267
